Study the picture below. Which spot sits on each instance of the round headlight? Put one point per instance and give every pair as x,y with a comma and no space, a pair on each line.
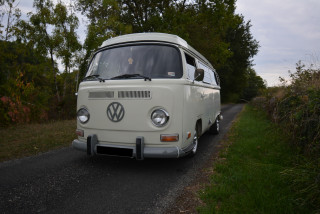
83,115
159,117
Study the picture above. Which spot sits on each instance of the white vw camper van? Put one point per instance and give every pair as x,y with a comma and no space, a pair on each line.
147,95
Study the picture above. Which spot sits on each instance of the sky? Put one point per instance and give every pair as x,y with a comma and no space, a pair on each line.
26,6
287,31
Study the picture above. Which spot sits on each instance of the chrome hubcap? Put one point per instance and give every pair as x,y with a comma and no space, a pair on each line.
218,126
195,142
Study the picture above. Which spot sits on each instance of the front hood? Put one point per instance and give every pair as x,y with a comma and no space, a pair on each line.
126,105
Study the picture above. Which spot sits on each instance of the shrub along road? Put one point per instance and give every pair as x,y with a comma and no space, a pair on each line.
67,181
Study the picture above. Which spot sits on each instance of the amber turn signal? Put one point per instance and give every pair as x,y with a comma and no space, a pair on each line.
188,135
169,137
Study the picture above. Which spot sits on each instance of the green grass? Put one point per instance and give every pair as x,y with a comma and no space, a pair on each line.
30,139
249,174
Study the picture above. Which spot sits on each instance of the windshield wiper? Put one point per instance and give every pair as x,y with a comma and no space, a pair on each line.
95,76
128,76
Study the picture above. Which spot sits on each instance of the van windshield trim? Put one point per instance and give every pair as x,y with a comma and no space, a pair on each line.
156,61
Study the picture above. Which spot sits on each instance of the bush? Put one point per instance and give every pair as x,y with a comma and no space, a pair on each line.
296,107
28,93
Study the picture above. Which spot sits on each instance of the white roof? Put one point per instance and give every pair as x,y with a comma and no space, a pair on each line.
163,37
155,37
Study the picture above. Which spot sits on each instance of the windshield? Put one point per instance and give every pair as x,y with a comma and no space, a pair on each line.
152,61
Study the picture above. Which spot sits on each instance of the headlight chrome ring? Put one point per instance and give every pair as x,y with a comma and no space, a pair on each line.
83,115
159,117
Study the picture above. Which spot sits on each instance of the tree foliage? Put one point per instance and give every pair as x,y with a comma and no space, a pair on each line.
49,37
24,84
211,27
33,89
255,85
11,13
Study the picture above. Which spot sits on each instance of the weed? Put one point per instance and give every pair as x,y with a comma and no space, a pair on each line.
254,174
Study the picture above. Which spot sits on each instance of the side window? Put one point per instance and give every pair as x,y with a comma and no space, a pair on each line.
191,66
207,77
213,78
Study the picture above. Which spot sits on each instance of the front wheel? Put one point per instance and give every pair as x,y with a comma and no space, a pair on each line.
195,143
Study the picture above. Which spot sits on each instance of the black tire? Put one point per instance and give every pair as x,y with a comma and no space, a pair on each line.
215,128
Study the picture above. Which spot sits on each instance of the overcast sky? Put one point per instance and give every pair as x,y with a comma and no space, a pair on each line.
287,31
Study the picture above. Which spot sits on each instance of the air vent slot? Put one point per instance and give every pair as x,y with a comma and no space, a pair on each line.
101,94
134,94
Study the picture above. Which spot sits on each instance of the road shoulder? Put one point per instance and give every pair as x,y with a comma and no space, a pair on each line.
188,199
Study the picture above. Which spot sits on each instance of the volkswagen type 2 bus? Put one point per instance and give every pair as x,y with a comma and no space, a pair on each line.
146,95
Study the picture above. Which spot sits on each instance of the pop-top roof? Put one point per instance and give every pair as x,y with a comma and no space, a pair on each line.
154,37
163,37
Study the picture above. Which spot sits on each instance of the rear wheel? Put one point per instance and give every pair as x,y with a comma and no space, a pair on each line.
215,128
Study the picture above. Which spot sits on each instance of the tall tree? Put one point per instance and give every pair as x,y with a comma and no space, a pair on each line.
38,33
255,85
65,25
103,23
144,15
244,47
9,10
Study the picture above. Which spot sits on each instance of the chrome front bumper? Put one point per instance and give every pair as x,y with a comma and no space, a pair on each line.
138,151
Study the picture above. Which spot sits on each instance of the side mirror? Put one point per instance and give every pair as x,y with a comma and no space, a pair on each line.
199,74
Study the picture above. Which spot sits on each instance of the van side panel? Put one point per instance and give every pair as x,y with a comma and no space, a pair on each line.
201,101
192,111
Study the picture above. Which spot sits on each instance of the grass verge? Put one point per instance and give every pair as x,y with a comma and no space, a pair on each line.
249,176
30,139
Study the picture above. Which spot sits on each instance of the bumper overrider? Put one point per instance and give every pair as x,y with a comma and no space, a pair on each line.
138,151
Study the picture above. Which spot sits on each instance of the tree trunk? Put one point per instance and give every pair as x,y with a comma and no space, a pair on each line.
54,76
8,23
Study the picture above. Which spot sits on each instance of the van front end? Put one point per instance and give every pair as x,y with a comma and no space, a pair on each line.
146,95
131,118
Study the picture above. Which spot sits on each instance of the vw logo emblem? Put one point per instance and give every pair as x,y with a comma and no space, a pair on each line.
115,112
